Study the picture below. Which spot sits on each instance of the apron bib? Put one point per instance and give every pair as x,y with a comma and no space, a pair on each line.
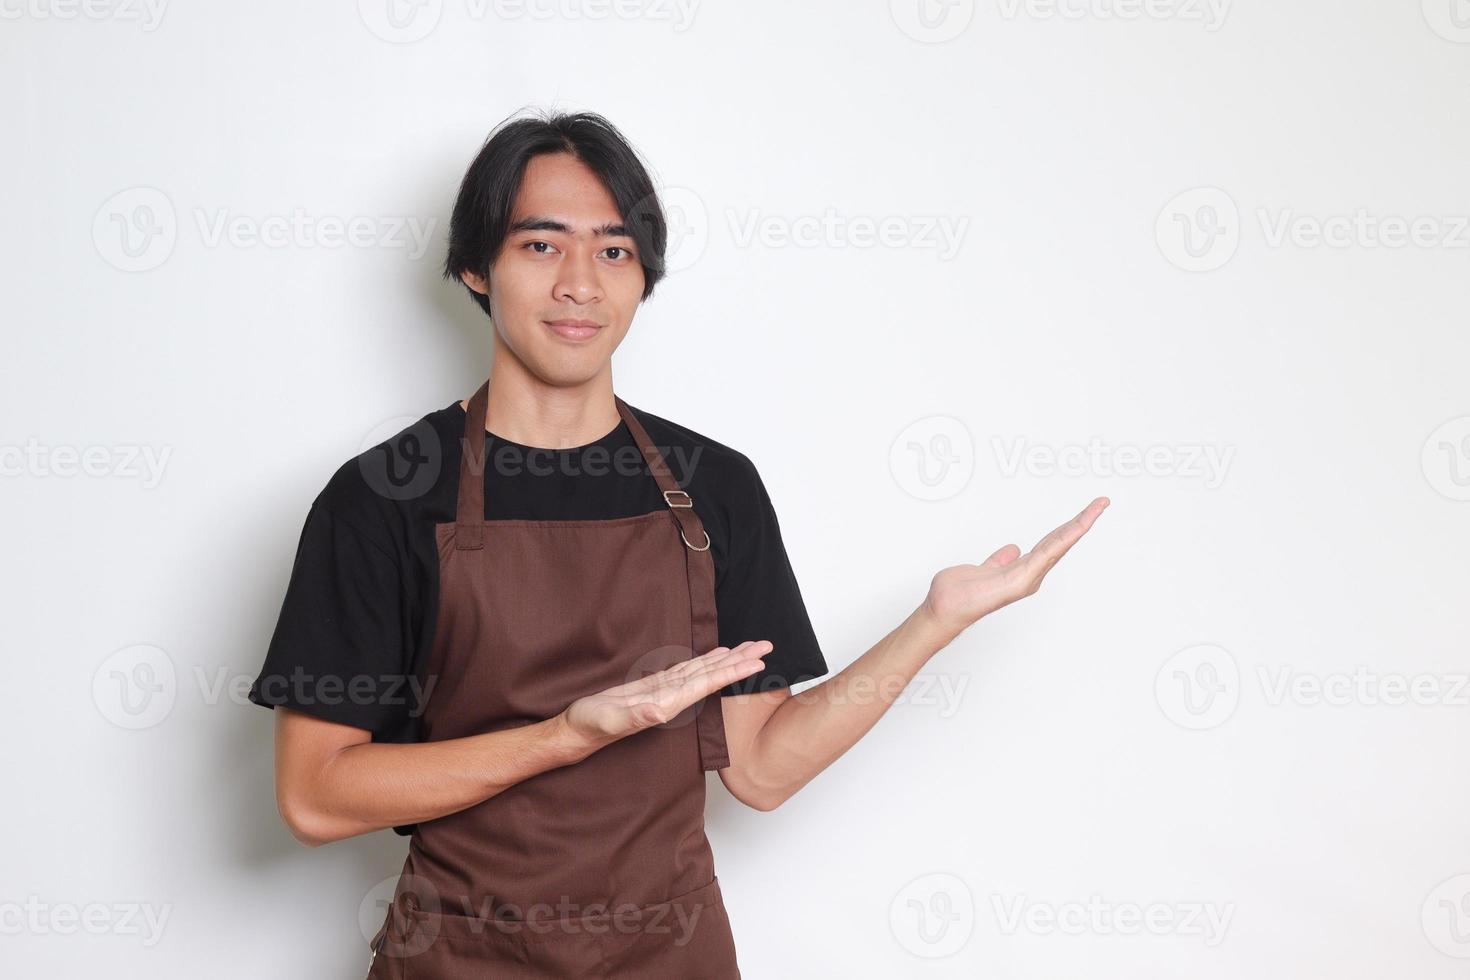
598,869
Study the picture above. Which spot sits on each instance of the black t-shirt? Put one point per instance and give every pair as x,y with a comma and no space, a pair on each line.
359,611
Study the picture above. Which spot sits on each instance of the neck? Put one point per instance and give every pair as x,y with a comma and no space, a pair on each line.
526,409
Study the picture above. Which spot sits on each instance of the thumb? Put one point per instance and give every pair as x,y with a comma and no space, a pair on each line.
1004,556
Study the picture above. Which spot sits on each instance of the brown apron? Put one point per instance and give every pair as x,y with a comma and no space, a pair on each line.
598,869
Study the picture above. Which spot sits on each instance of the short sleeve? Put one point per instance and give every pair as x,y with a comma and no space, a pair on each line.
757,596
338,648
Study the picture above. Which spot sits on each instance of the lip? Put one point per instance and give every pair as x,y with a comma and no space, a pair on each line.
574,329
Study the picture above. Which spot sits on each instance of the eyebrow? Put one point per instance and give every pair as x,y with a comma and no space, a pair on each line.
539,223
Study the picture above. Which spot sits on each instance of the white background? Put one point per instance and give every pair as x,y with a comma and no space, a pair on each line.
1121,740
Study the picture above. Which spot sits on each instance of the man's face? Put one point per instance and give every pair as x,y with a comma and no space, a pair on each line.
567,281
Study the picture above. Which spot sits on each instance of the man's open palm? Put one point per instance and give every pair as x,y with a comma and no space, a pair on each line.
620,711
963,593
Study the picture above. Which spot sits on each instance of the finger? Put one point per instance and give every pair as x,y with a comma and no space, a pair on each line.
672,694
680,672
750,649
1039,560
746,649
649,682
702,685
1002,557
696,678
1067,534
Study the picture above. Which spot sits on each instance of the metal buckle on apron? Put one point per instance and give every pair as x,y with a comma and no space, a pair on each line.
688,502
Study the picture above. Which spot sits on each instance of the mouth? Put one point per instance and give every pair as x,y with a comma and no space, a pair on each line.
573,329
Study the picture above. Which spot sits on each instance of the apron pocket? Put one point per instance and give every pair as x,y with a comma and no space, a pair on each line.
424,945
685,938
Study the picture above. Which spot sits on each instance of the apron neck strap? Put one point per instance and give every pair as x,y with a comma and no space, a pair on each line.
657,465
469,515
470,509
681,505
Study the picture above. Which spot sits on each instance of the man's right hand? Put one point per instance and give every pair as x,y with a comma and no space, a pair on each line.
330,777
603,718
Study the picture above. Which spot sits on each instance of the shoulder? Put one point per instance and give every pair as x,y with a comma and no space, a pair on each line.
373,490
696,458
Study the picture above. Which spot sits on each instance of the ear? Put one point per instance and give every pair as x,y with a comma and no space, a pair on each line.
475,281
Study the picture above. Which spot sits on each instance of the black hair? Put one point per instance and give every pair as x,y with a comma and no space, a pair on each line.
482,211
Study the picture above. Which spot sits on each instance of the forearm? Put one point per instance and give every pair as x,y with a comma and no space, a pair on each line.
375,785
811,730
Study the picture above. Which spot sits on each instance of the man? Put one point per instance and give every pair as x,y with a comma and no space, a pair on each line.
521,630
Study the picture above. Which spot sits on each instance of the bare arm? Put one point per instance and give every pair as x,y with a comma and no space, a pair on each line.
779,742
333,781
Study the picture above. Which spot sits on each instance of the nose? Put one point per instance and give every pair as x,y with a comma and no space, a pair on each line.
577,277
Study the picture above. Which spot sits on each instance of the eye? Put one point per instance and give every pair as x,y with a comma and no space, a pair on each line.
533,246
619,248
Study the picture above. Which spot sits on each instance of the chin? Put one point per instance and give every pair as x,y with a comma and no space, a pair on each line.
560,374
